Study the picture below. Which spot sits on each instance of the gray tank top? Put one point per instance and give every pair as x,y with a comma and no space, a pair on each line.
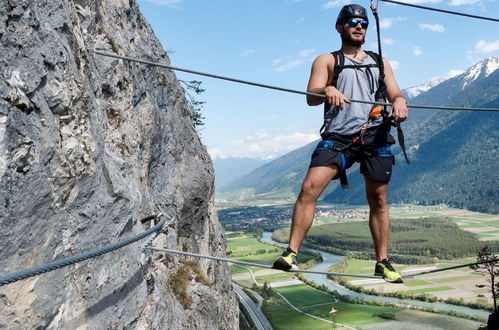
358,84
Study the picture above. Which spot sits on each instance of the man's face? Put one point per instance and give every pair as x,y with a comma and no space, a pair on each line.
353,31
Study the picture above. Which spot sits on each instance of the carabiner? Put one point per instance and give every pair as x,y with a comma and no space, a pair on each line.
374,9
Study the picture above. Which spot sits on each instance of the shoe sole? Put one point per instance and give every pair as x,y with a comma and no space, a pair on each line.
283,265
398,280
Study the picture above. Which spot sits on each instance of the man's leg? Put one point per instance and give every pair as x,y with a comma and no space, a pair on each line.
379,219
313,185
379,223
303,213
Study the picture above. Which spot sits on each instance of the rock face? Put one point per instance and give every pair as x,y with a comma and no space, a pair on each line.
88,146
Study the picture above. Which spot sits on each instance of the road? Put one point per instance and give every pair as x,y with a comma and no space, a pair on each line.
255,313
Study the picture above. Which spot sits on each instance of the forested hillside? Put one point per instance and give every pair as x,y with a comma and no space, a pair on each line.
411,240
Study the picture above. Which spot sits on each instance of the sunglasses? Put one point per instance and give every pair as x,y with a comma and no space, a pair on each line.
354,21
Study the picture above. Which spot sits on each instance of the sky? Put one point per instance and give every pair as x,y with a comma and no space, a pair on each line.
274,42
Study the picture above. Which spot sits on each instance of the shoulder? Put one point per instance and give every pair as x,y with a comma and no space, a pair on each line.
324,60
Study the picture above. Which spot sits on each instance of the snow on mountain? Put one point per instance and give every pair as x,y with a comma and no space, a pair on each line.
482,69
416,90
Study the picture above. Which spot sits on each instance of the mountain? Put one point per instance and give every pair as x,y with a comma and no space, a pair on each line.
414,91
453,153
281,174
231,168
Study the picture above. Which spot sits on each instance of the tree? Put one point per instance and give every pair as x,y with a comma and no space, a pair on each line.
194,105
490,269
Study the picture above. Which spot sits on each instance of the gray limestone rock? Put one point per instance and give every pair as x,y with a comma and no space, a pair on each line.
88,146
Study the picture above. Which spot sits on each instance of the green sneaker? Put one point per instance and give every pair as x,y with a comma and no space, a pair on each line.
384,268
286,261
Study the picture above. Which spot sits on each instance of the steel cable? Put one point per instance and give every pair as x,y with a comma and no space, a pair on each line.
131,59
441,10
253,264
21,275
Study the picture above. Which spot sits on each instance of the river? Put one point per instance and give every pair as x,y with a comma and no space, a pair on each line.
331,259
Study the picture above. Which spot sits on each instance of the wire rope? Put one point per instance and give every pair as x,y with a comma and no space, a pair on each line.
64,262
432,107
441,10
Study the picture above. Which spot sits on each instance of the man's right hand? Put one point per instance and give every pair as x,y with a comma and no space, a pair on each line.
335,97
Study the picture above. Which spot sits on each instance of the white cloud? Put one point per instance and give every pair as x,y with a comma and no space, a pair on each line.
485,47
456,3
432,27
388,41
247,52
387,22
290,64
336,3
394,64
306,52
417,51
266,145
216,153
167,3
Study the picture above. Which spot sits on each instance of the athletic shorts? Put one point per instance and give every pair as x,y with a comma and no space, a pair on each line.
375,155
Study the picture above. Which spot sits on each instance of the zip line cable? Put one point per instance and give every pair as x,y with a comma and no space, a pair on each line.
441,10
131,59
64,262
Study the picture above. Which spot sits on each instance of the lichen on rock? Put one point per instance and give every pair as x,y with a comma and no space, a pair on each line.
88,146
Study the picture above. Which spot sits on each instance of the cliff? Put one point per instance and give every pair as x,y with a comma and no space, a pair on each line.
88,146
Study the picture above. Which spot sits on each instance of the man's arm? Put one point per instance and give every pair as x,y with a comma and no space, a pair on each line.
394,95
320,82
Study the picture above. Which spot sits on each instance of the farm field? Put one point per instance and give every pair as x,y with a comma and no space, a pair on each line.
456,283
318,303
459,283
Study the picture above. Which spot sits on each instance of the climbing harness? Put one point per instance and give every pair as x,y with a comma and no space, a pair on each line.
398,125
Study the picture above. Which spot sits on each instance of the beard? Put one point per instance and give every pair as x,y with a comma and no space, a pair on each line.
347,39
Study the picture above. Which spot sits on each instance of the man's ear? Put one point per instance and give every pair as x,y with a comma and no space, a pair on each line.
339,28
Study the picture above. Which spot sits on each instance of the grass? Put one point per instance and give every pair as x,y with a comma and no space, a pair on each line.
235,269
319,304
416,282
243,249
426,290
302,295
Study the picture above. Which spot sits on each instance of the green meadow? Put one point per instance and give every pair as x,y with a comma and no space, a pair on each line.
319,304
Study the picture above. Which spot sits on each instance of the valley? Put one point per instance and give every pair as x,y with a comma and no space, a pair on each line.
459,284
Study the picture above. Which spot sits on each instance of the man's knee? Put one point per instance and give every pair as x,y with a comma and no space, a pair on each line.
377,201
309,190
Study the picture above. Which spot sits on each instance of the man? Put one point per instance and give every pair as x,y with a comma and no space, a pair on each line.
352,132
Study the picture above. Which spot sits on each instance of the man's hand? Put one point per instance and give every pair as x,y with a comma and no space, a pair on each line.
399,109
335,97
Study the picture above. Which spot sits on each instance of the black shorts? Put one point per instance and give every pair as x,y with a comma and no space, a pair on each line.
375,155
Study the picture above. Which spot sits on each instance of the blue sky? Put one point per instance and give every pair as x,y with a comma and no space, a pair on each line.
275,41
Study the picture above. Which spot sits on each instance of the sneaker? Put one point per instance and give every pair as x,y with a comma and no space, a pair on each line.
286,261
384,268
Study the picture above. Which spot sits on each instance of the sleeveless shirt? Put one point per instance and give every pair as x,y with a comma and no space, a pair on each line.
358,84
